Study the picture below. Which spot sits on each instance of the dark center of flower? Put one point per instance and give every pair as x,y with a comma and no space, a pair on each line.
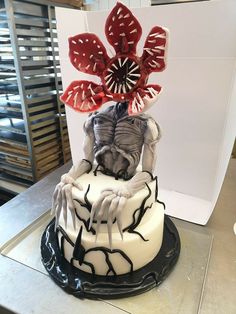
122,75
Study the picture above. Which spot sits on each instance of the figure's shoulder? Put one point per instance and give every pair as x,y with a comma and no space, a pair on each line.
153,131
150,121
145,116
88,124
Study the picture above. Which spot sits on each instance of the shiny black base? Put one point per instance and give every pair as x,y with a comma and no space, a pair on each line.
84,285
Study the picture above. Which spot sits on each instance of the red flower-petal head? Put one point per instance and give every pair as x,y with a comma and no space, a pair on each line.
124,76
122,29
87,54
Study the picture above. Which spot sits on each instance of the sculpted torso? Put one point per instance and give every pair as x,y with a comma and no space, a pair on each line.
118,140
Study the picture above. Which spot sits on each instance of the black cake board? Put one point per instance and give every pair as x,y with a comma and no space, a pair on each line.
85,285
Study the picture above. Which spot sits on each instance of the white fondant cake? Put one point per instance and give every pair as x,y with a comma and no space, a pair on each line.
108,220
142,224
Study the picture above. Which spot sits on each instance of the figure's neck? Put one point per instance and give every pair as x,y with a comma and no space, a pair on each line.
121,109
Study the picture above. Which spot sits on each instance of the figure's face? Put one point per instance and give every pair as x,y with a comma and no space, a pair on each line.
124,77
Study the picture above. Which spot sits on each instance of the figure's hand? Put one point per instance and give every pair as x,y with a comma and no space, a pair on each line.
113,202
62,198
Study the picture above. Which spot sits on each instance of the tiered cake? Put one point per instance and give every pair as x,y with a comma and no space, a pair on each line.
142,221
110,237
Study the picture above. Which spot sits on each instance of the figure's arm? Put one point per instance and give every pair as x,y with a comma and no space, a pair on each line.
115,199
84,165
151,137
62,196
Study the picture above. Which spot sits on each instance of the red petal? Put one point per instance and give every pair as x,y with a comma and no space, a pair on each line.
87,53
143,99
84,96
154,55
122,29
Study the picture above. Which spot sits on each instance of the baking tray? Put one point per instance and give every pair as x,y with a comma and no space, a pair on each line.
181,292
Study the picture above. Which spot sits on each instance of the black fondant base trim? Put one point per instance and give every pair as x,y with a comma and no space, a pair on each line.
84,285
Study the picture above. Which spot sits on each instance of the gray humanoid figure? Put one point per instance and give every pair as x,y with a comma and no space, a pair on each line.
116,142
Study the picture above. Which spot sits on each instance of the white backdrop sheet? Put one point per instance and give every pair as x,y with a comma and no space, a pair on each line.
197,109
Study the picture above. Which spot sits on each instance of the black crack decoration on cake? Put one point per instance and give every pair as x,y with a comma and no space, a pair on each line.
108,219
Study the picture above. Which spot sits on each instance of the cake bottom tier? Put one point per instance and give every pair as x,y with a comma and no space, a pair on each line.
81,284
135,250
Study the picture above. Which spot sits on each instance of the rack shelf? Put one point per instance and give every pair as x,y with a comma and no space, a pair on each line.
33,131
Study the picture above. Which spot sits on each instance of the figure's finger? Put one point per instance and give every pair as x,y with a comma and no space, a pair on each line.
54,198
70,204
64,204
56,218
112,208
110,190
59,206
77,185
119,209
105,205
96,206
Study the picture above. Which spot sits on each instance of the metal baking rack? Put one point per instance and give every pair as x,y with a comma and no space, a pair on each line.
33,130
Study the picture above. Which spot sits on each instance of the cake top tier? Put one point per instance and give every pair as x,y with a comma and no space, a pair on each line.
124,76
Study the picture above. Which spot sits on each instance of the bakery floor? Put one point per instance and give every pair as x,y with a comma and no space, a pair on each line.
26,290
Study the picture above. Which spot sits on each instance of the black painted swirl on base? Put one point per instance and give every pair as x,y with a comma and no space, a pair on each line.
81,284
79,252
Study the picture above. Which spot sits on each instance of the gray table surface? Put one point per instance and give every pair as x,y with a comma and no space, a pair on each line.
25,290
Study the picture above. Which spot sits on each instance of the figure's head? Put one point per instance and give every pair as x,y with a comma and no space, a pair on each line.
123,77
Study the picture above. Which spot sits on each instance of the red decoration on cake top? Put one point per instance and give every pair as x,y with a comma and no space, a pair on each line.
124,76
